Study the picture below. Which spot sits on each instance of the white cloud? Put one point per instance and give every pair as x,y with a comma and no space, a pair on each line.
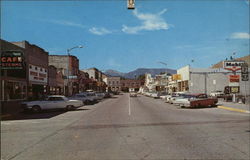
149,22
240,35
66,23
99,31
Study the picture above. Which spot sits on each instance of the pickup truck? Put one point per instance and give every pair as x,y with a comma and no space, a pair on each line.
197,100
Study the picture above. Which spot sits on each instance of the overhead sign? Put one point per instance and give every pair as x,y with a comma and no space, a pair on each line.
232,65
244,72
131,4
12,60
234,78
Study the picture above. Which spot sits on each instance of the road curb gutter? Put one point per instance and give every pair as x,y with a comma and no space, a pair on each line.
233,109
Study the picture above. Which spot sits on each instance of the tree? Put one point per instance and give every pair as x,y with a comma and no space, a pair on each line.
141,77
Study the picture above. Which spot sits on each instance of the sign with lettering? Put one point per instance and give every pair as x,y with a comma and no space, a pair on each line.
244,72
38,74
234,78
232,65
12,60
235,89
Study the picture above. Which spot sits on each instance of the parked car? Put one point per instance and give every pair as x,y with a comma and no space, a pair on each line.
197,100
107,95
174,95
133,94
85,97
51,102
217,94
100,95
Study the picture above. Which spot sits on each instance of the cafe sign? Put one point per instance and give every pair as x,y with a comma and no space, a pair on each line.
12,60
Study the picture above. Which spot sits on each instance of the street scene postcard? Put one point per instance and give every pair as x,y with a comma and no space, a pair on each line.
125,79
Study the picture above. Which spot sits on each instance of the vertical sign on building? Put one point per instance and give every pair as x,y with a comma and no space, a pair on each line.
244,72
131,4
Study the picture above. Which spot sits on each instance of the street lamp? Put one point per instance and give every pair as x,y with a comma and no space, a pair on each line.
68,52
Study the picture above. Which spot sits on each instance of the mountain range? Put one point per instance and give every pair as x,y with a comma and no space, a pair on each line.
138,72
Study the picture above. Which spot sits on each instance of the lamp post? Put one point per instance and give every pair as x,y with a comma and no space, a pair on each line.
68,52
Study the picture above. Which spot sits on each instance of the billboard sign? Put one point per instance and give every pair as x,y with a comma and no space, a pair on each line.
232,65
38,74
244,72
12,60
235,89
234,78
176,77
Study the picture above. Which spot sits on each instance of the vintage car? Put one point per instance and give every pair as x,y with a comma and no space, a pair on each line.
175,95
51,102
133,94
196,100
85,97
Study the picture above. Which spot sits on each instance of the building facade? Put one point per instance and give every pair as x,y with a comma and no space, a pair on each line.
69,67
113,84
37,70
131,84
207,80
14,75
96,77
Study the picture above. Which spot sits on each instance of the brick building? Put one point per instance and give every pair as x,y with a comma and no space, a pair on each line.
96,77
13,79
69,66
55,81
37,59
131,84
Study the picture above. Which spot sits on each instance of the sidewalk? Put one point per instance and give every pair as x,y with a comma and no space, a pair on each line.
244,108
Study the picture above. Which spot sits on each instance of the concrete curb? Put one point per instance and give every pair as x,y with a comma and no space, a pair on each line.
233,109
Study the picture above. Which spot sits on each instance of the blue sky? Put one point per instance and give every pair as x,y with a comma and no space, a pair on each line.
173,32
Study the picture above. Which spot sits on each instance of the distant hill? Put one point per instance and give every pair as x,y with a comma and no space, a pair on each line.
139,71
111,72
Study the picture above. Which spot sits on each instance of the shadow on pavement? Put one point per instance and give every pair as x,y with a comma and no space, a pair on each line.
200,107
45,114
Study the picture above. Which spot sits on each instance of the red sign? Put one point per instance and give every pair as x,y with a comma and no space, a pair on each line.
234,78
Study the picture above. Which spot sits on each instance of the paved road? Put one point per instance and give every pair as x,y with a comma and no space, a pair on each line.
128,128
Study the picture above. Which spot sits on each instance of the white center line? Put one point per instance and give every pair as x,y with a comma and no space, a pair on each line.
129,109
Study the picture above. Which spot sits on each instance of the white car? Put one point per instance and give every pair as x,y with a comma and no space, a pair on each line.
51,102
100,95
85,98
216,93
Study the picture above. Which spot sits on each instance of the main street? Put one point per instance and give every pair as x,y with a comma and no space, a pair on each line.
126,127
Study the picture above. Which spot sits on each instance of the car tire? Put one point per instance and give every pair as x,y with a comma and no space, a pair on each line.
36,109
69,107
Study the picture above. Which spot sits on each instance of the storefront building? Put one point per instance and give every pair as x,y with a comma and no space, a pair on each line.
37,69
13,75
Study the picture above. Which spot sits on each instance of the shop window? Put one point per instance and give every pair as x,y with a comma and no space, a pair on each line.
14,90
